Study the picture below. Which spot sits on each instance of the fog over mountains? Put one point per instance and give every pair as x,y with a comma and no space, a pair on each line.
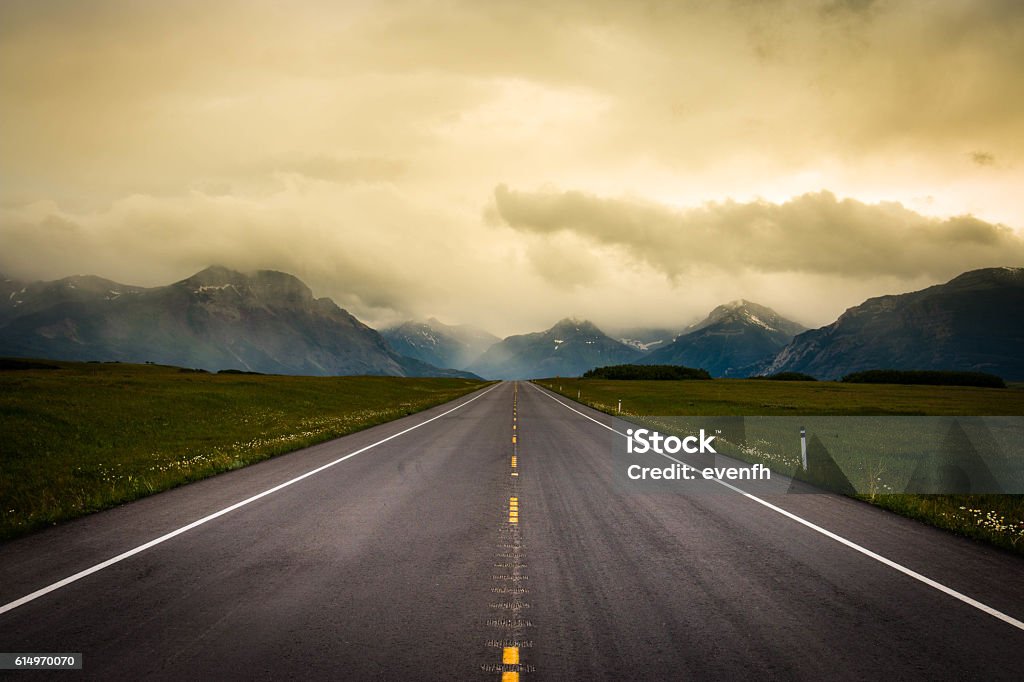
269,321
439,344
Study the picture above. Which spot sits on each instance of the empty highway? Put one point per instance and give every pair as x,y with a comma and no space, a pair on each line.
488,539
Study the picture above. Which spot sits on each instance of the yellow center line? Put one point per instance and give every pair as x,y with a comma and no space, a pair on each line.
510,654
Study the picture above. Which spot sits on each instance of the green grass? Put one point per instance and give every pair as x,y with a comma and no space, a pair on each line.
88,436
994,519
747,397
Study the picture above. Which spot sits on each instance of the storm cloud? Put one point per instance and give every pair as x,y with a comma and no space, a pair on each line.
813,233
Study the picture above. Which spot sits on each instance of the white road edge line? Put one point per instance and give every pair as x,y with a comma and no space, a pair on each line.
184,529
829,534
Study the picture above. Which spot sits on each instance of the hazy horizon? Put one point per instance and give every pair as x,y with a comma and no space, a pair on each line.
509,164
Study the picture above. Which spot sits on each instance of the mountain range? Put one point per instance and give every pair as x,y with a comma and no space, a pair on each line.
266,321
270,321
568,349
730,341
974,322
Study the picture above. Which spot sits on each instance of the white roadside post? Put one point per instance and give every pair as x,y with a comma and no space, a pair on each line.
620,405
803,447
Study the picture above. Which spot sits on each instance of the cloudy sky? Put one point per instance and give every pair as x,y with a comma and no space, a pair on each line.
510,163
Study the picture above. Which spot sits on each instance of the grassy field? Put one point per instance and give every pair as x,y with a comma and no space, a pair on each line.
87,436
745,397
996,519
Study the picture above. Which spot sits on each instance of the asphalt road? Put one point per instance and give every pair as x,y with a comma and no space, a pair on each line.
424,557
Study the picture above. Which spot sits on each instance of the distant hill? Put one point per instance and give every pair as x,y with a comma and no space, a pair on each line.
567,349
974,322
733,338
439,344
266,321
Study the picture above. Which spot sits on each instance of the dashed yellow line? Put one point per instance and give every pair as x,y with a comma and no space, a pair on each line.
510,654
515,427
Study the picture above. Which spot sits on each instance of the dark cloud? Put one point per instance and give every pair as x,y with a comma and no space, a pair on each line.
983,158
812,234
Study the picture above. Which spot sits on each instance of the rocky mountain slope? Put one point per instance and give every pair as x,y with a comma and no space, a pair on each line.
733,338
974,322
